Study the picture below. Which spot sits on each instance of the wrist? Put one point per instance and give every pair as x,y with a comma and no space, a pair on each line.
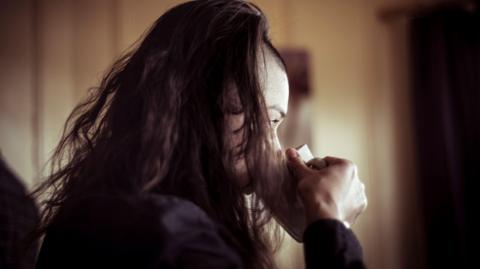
322,211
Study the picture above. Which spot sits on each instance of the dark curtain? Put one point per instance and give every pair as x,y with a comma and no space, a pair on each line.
445,57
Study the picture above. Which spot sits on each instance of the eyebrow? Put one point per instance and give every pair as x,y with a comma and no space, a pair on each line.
282,112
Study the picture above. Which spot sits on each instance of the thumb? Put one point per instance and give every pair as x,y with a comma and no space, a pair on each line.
297,165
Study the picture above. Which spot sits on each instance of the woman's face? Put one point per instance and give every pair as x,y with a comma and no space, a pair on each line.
274,84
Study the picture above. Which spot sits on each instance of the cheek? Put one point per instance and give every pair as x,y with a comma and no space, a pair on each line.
241,166
235,123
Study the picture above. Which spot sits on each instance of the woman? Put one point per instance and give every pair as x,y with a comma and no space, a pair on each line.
153,171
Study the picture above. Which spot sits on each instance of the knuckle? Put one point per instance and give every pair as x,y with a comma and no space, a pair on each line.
347,165
365,203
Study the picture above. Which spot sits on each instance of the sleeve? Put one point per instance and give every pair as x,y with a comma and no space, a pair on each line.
328,244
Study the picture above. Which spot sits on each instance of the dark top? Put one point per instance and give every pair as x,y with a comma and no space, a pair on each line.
158,231
18,216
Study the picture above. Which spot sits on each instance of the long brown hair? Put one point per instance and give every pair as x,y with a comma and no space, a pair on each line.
157,124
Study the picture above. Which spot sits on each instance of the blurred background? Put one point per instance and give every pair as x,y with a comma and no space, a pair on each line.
392,85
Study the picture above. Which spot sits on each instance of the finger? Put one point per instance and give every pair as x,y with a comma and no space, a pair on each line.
362,201
334,160
364,198
355,171
359,188
296,164
317,163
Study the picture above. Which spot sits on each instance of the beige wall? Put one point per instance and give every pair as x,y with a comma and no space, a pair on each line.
17,87
55,49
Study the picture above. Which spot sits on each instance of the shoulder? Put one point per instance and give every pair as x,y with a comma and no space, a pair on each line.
151,213
163,228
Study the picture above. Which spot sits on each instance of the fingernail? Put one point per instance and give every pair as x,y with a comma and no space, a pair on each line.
291,153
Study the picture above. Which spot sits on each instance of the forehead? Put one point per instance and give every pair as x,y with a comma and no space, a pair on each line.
273,80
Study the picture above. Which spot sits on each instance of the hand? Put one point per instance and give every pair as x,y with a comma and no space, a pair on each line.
331,192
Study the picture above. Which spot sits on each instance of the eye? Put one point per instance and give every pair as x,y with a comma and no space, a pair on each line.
275,122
